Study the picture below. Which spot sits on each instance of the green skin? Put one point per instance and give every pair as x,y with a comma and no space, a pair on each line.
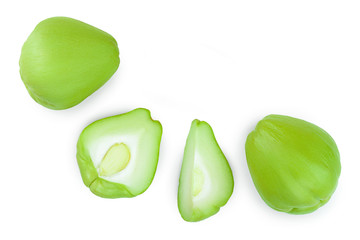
201,142
148,136
63,61
295,165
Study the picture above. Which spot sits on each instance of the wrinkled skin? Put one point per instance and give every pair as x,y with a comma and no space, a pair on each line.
294,164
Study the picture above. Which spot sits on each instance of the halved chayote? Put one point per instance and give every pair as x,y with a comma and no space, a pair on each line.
206,181
118,155
64,60
295,165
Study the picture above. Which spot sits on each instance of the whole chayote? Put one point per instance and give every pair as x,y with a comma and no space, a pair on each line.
295,165
64,60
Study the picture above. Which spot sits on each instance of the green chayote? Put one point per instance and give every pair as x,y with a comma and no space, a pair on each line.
118,155
206,181
295,165
63,61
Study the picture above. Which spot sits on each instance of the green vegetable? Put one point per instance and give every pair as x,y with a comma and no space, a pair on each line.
206,181
64,61
118,155
294,164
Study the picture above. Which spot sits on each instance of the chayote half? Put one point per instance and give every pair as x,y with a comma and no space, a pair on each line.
118,155
294,164
63,61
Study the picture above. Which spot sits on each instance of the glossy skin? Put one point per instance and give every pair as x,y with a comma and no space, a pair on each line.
294,164
206,181
63,61
142,136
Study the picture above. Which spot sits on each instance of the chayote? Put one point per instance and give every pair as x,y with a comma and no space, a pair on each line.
118,155
63,61
295,165
206,181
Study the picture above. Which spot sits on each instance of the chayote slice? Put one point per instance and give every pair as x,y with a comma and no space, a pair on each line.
295,165
118,155
63,61
206,181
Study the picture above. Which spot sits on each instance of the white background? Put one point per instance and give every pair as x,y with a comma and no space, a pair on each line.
229,63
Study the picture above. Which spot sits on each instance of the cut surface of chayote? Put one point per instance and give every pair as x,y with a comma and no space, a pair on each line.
118,155
295,165
64,60
206,181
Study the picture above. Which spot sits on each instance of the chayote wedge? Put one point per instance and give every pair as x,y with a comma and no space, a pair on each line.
294,164
118,155
63,61
206,181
